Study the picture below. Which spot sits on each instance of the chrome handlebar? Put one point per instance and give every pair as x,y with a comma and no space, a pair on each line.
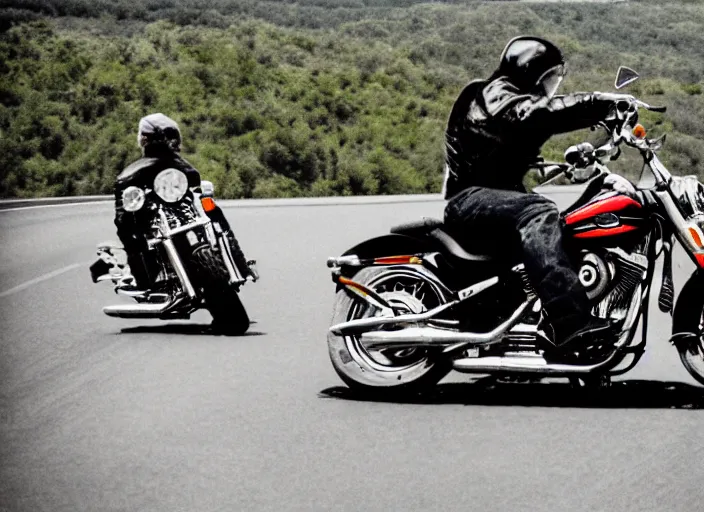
619,128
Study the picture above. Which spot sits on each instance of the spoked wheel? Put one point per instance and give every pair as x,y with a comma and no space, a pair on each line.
406,368
691,351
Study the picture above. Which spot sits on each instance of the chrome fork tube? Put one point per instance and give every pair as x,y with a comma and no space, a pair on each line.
172,253
227,257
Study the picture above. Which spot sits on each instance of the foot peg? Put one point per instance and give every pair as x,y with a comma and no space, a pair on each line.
253,274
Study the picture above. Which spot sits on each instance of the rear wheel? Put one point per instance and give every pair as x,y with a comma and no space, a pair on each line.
408,369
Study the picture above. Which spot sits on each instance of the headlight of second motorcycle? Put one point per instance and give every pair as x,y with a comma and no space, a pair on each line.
132,199
171,185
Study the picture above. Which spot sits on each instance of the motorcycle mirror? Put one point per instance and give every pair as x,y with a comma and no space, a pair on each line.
208,188
579,155
625,76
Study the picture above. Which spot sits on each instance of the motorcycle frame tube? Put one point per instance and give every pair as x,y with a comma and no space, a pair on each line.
360,324
509,364
452,340
355,326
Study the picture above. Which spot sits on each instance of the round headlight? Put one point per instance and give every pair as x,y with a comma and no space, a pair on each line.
171,185
132,199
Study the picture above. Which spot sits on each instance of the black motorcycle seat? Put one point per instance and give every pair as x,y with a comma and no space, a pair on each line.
436,229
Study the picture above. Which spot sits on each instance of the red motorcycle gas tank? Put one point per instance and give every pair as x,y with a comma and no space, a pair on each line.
611,212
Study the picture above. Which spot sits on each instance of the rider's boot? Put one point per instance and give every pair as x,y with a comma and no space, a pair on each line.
583,333
575,333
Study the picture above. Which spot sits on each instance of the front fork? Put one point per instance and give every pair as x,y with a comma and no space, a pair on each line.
226,251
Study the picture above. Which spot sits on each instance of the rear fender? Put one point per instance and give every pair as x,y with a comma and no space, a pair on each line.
391,245
455,272
385,246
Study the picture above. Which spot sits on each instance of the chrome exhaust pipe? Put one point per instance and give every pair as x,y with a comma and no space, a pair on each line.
433,336
142,310
525,364
533,364
136,310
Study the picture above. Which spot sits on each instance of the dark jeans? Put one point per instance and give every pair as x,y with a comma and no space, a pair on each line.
497,222
142,264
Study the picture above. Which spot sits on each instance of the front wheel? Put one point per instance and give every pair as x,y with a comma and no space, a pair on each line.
689,340
410,369
221,299
688,326
227,310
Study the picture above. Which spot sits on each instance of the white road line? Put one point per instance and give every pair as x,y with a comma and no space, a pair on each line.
39,279
2,210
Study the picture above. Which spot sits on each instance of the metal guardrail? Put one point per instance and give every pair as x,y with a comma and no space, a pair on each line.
263,203
50,201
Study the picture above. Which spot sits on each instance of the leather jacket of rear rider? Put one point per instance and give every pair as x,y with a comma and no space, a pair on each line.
131,225
495,133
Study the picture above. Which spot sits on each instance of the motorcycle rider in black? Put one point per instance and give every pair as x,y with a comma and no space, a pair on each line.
159,138
494,133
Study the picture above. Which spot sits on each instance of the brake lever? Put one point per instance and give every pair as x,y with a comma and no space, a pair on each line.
652,108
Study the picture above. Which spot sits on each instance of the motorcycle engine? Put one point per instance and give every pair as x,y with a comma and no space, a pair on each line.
595,275
611,279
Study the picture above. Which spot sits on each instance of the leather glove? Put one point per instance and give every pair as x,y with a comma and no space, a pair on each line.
622,101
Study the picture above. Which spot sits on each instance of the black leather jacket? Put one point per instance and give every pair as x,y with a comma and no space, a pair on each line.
494,133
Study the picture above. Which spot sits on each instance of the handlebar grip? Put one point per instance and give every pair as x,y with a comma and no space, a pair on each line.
658,109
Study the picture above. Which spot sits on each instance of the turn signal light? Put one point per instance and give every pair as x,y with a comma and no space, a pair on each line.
700,259
398,260
639,131
208,204
696,238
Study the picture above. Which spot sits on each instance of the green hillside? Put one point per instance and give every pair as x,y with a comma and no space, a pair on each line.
317,97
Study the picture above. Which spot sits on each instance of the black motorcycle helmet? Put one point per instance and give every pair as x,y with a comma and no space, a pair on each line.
158,130
533,64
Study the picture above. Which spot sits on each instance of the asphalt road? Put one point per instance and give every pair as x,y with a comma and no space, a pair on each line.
103,414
